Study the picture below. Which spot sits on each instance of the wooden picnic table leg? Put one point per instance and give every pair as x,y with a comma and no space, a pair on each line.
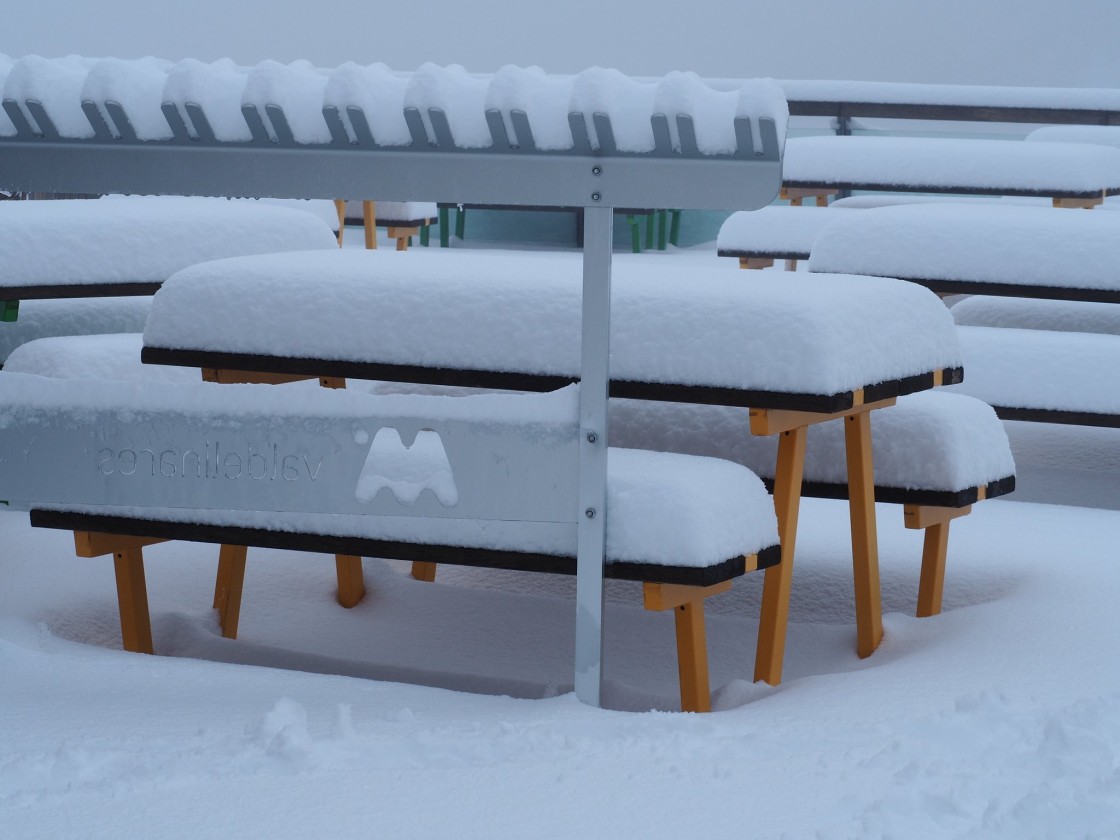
865,547
687,603
777,581
935,521
132,599
369,222
231,585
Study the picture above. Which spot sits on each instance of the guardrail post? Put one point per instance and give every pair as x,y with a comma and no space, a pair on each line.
594,384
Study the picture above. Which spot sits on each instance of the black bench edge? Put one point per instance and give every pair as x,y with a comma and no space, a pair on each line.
34,291
965,113
1058,416
1020,290
619,388
907,495
410,552
763,255
875,186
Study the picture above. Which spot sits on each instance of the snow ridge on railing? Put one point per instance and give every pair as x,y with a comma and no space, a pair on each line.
443,108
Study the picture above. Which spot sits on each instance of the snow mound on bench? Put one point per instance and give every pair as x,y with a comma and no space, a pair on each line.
1042,369
73,316
933,440
142,239
520,312
1028,314
1100,135
109,357
990,243
297,88
777,230
378,92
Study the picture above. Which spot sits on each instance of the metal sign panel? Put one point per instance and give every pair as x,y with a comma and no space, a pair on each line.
452,469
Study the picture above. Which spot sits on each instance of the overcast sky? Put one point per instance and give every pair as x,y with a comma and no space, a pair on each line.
1019,42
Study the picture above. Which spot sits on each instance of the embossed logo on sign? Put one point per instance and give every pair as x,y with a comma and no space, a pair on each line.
213,460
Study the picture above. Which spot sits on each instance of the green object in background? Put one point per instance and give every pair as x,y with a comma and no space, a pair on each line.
11,311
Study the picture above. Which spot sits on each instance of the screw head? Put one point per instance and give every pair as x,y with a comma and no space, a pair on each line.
595,196
589,513
592,437
596,170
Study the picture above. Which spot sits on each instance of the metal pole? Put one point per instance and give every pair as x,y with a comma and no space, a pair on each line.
594,382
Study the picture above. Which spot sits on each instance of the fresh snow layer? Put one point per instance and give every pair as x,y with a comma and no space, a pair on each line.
932,440
544,99
216,88
57,85
297,89
1100,135
1042,369
378,92
459,95
986,243
73,317
918,163
1028,314
137,86
109,357
778,229
142,239
663,508
627,102
521,312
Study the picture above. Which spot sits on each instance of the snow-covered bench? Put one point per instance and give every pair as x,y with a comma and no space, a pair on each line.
403,219
483,480
795,355
778,232
1026,374
1070,174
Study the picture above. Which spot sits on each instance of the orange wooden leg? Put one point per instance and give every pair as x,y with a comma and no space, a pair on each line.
931,584
424,571
865,546
351,585
132,599
776,583
231,558
369,220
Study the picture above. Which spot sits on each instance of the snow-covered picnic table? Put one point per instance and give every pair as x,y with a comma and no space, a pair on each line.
1044,374
1068,173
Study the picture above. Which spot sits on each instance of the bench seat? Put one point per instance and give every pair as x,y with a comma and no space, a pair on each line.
1044,376
943,165
73,317
778,232
1029,314
130,245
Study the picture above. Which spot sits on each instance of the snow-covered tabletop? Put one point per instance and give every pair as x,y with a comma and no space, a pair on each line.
120,241
520,312
1042,370
664,509
1007,245
998,167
